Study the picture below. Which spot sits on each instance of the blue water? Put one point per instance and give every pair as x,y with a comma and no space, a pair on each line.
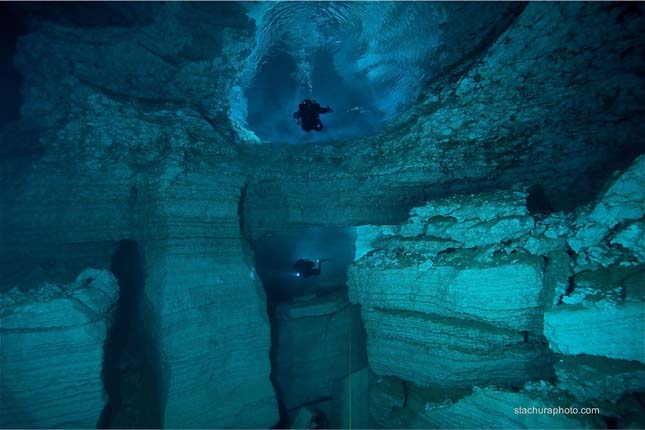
115,140
357,58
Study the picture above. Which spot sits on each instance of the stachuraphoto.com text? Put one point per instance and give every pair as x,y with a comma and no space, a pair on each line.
532,410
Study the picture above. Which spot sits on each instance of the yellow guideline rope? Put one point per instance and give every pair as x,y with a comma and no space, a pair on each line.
350,379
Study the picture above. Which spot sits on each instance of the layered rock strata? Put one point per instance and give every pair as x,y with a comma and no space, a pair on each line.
134,141
474,291
393,405
451,294
319,341
590,378
52,352
136,144
602,310
597,324
214,329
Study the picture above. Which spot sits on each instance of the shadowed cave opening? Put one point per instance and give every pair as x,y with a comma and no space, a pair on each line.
275,255
537,201
132,365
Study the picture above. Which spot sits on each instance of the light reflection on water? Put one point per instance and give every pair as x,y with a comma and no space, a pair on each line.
370,61
387,44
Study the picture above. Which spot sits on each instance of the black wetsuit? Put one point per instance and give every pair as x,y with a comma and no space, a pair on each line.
308,115
306,268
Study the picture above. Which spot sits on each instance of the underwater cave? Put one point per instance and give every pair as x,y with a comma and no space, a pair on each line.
449,234
316,334
276,254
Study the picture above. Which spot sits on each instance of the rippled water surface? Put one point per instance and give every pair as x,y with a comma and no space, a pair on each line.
365,59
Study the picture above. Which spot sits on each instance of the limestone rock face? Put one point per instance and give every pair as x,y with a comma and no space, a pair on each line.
167,57
498,217
136,144
615,222
448,301
52,352
602,313
214,329
313,347
399,404
367,235
610,332
590,378
493,408
450,352
184,215
135,141
471,289
454,284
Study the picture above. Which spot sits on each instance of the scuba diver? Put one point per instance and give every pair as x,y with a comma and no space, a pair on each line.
307,268
308,115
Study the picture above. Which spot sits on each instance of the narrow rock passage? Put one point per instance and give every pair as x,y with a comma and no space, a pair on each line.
131,363
315,332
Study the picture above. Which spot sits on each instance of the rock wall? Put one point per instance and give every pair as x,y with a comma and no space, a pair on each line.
214,329
534,406
473,291
52,352
313,350
136,144
447,301
597,323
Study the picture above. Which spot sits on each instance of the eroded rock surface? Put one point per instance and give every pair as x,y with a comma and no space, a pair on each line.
613,229
452,299
494,408
603,309
555,101
471,289
590,378
319,341
400,404
136,144
52,352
